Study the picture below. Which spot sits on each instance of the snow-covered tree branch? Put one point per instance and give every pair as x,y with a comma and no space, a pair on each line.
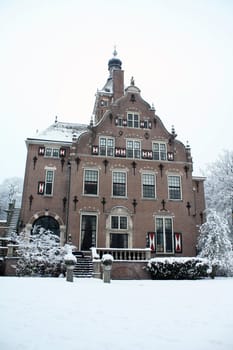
214,243
219,186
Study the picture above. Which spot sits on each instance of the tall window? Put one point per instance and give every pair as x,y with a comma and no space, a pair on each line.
174,187
133,120
91,182
106,146
119,183
159,151
148,185
164,235
49,180
133,149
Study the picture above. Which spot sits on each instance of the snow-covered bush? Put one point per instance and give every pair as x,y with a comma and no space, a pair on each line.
40,255
215,245
178,268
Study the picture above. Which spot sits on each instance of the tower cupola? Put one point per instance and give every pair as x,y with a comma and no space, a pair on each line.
114,63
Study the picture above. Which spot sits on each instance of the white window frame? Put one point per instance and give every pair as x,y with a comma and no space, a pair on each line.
47,171
84,178
123,172
133,120
57,150
180,187
118,228
159,151
106,146
164,235
133,149
142,184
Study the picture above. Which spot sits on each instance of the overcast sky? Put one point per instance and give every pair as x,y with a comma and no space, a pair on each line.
54,55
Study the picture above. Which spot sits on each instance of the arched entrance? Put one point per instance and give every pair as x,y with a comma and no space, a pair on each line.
48,223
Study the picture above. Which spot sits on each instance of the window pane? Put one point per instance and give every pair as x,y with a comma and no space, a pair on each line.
130,144
123,222
49,176
114,222
118,240
130,120
159,235
136,120
168,235
48,152
55,152
102,142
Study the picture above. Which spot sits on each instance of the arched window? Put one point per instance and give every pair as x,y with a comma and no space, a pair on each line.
48,223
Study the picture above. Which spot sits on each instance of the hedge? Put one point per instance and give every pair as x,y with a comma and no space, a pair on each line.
178,268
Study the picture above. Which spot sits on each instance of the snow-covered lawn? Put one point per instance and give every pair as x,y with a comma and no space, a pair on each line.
52,314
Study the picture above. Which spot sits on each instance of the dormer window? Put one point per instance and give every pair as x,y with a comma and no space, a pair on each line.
52,152
133,120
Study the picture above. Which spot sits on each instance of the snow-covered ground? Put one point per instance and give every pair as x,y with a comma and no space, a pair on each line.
52,314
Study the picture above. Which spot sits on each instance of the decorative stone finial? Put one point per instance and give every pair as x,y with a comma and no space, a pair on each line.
132,82
115,51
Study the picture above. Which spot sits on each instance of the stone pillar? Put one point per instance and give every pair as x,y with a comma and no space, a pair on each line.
96,269
70,261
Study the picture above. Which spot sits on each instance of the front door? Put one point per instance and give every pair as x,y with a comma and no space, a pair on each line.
88,232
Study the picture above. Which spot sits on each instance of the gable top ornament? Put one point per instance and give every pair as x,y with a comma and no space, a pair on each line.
132,82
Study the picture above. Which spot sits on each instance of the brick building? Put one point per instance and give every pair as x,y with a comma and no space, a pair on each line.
123,181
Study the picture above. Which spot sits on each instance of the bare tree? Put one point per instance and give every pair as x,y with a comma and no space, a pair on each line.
10,191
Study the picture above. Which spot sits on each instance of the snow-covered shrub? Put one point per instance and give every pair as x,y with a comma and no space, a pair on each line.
215,245
40,255
178,268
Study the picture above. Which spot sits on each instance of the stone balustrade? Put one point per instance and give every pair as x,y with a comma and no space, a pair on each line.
134,254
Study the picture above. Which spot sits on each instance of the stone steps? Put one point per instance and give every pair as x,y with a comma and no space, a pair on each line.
83,267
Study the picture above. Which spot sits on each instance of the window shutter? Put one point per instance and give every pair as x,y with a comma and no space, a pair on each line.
151,238
178,242
41,187
95,150
120,152
142,124
62,152
41,151
170,156
124,122
149,125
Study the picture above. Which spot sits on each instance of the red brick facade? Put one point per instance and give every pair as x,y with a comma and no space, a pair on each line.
115,181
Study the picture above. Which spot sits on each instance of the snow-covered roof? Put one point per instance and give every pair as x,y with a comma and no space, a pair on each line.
59,132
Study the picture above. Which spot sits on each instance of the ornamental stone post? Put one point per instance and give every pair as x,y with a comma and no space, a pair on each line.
70,261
